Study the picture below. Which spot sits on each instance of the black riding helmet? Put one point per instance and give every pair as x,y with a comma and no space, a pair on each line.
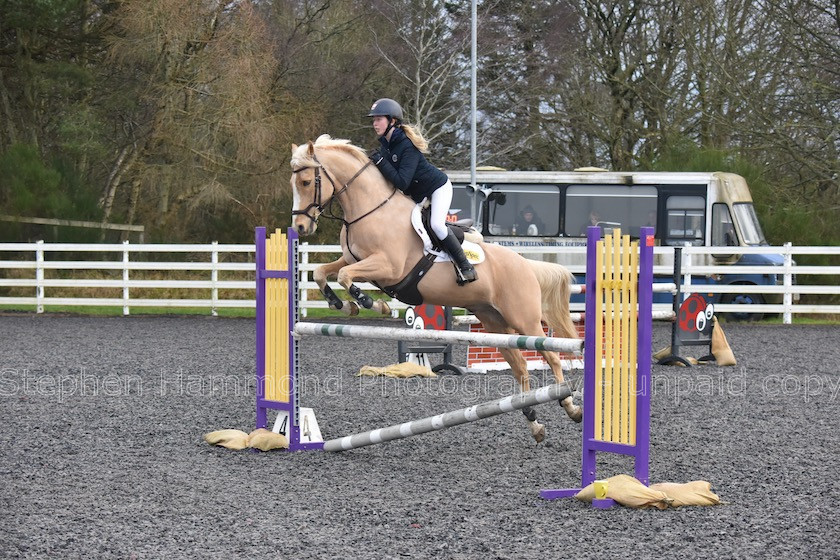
386,108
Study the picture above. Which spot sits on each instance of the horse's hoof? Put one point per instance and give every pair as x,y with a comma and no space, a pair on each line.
573,411
384,308
537,431
353,308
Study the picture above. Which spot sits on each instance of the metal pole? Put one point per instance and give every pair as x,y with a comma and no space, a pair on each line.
558,391
473,105
675,338
447,337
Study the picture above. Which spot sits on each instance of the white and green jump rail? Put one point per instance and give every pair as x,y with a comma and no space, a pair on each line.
553,344
557,391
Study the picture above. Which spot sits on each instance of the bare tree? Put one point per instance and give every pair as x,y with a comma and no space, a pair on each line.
799,130
425,53
203,137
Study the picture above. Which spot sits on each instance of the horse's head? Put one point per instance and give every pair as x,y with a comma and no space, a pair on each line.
307,189
316,178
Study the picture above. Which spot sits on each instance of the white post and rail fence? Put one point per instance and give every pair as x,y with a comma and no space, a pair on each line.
216,276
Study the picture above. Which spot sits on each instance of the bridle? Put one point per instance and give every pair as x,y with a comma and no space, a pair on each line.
320,206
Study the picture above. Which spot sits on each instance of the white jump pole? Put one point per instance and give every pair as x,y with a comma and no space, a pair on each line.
568,345
558,391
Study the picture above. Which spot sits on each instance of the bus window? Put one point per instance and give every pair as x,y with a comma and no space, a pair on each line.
750,228
609,206
685,220
723,230
461,206
524,210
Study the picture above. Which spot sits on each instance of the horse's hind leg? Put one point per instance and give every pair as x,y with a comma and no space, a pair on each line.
520,372
519,367
574,411
533,327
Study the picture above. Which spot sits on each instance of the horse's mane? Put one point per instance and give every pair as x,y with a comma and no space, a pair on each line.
302,158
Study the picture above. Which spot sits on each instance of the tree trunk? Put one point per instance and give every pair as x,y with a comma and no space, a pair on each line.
6,107
124,161
133,200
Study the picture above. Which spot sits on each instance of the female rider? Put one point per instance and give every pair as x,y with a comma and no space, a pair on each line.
401,161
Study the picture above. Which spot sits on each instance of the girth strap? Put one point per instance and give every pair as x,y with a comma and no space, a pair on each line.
406,289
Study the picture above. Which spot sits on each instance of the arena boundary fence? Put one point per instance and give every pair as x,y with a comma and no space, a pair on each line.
45,276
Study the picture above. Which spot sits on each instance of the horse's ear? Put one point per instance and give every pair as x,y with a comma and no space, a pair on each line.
311,149
294,147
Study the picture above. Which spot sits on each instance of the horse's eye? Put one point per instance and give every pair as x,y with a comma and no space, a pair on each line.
306,183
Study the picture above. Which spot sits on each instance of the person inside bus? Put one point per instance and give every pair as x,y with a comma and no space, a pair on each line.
729,238
594,219
650,222
529,223
401,161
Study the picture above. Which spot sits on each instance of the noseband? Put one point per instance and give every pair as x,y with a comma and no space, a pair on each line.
316,202
320,206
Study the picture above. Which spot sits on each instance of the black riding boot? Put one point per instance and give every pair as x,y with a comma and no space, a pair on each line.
463,268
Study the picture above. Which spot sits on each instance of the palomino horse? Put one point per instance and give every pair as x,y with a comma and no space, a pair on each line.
512,294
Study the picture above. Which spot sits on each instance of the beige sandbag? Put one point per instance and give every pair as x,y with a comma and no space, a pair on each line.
720,346
266,440
665,352
659,354
695,493
232,439
628,491
402,370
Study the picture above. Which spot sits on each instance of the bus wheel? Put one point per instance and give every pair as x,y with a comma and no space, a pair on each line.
743,299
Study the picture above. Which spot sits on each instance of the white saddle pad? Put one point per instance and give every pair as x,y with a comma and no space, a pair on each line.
473,251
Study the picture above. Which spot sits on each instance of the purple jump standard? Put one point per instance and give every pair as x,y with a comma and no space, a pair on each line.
277,371
639,446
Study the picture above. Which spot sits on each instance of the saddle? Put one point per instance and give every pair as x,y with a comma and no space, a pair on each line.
459,228
406,289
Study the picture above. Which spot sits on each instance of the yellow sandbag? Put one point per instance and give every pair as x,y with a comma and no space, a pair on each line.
695,493
720,346
628,491
266,440
402,370
232,439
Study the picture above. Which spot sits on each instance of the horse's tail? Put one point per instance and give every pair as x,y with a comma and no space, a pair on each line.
555,282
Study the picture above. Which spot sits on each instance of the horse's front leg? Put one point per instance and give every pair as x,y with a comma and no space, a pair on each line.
321,275
367,268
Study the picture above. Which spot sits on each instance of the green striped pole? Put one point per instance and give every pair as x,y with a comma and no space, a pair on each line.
568,345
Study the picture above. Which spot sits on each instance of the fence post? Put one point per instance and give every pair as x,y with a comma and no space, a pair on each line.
39,276
675,339
125,276
687,263
214,278
787,315
303,293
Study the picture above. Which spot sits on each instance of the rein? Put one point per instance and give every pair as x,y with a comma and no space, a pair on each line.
320,207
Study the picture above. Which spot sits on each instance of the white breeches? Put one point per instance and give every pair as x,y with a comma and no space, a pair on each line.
441,200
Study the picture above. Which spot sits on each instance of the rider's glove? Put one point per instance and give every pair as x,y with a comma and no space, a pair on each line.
376,156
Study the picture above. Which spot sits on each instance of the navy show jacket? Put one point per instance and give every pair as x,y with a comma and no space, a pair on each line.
406,167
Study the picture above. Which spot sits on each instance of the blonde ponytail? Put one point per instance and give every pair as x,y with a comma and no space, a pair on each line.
416,138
